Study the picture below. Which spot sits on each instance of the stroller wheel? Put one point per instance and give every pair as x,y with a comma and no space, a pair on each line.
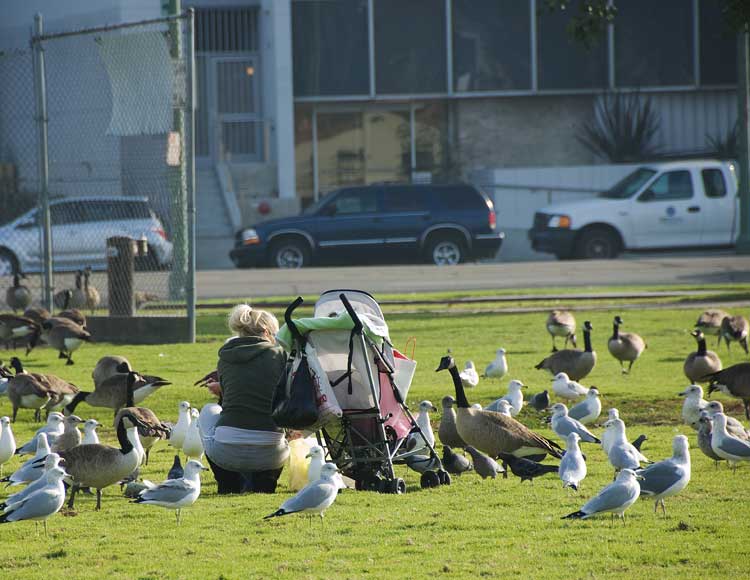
398,486
444,477
429,479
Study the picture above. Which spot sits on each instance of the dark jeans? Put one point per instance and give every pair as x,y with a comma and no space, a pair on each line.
254,481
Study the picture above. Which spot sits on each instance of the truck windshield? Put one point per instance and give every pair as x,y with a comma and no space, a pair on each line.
629,185
313,209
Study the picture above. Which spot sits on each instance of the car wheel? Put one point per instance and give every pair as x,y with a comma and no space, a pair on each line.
8,263
290,254
445,252
598,244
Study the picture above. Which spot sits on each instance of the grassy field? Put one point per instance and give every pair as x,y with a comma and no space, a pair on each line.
469,529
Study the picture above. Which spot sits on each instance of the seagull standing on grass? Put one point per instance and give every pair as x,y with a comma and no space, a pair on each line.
669,477
176,493
622,454
563,387
572,465
563,425
90,436
315,497
51,461
179,431
588,410
727,446
53,429
34,467
693,405
7,442
41,504
415,440
615,498
514,397
317,460
469,376
192,446
498,368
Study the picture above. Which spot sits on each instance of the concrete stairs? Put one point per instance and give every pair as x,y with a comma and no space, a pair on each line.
214,231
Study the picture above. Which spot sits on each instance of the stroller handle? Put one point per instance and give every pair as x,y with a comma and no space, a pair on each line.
288,318
357,322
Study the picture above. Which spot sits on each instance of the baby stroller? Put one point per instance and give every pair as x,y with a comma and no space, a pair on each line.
367,432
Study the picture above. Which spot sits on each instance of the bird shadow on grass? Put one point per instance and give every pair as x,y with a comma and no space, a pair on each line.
671,359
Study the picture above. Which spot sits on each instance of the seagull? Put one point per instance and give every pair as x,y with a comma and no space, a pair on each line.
704,438
53,429
563,425
423,463
498,368
514,398
616,497
563,387
41,504
7,442
588,410
176,471
52,460
669,477
315,497
469,376
693,405
621,454
501,406
176,493
607,435
317,460
90,436
455,463
192,446
33,468
179,431
572,465
734,427
725,445
484,465
417,441
540,401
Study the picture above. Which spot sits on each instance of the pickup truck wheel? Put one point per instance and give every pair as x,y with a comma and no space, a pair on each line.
290,254
598,244
445,251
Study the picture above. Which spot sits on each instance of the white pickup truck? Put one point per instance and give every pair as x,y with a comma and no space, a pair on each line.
657,206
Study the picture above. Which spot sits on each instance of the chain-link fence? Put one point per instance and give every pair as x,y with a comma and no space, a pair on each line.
119,163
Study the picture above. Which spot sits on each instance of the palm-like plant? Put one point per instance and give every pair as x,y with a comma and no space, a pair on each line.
724,146
623,128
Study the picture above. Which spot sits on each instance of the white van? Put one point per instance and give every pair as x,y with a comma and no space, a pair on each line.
657,206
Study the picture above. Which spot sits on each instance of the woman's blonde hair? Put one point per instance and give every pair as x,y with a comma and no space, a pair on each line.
244,320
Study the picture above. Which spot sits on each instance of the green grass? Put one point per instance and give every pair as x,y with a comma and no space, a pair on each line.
469,529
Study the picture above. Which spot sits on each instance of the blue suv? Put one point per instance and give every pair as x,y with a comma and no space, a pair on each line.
442,224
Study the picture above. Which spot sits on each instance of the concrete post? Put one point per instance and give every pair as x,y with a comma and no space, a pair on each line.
743,139
121,253
281,35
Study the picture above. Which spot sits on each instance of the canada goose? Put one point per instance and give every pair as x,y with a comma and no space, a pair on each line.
26,391
150,428
61,391
733,381
108,366
14,328
564,425
69,313
710,322
76,297
176,493
735,328
99,466
669,477
572,466
563,324
625,346
177,437
90,292
115,392
192,447
490,432
18,296
37,313
575,363
54,427
693,405
469,375
40,505
702,362
614,498
7,442
70,437
498,368
447,432
66,337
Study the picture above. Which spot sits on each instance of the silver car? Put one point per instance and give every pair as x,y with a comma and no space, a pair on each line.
80,228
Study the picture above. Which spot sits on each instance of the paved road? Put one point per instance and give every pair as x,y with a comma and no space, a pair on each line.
667,269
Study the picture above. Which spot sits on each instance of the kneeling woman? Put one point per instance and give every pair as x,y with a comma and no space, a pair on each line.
243,445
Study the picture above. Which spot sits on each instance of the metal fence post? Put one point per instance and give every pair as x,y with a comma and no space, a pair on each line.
190,158
41,111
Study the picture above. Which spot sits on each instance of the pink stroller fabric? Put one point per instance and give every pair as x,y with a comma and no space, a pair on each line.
388,404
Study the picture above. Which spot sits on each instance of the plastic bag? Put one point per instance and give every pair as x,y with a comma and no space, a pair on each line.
328,406
298,462
294,401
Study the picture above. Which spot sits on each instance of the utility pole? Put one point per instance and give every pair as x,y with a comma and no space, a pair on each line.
743,138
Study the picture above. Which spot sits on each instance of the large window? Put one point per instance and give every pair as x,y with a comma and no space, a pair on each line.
654,43
718,46
563,62
410,46
491,45
330,47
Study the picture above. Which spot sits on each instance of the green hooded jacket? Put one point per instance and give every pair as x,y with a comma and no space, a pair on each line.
249,369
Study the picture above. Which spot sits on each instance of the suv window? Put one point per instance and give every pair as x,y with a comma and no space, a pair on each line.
66,213
353,201
713,183
458,198
404,199
672,185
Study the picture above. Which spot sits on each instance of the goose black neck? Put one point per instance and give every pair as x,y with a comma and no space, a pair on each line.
80,396
17,365
702,346
66,302
461,401
615,331
122,436
16,281
587,340
129,401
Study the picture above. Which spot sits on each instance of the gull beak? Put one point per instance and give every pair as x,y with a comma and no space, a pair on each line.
639,477
308,456
681,394
434,408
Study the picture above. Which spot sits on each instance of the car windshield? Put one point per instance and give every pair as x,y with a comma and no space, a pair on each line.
313,209
629,184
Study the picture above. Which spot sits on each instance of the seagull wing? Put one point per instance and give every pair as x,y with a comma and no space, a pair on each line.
169,491
310,497
613,497
734,446
41,503
659,477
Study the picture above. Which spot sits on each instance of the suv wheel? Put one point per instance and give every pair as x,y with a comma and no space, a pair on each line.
8,263
445,252
598,244
290,254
